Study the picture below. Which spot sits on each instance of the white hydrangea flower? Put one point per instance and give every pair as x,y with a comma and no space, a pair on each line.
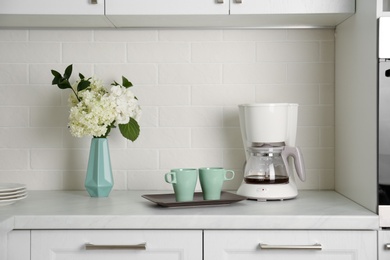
126,104
98,110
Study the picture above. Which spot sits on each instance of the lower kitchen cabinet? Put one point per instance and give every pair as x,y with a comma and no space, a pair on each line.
116,244
196,244
296,245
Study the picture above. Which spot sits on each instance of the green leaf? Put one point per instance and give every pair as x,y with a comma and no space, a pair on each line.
130,130
57,77
126,83
81,76
68,71
62,81
83,84
114,83
56,74
56,80
64,84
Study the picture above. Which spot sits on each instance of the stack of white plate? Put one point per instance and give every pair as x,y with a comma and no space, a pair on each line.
11,193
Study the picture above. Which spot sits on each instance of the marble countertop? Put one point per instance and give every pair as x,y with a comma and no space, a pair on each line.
128,210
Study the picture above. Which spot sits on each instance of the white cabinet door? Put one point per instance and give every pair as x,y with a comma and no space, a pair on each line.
292,7
383,244
167,7
52,13
51,7
18,247
167,13
108,244
292,245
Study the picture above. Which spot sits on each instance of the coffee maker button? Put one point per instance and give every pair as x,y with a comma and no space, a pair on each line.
262,190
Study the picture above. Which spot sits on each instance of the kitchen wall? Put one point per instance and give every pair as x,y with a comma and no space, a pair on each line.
188,82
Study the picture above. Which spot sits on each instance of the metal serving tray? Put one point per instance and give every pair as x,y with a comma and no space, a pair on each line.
168,200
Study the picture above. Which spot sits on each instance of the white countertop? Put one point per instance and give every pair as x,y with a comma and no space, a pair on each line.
128,210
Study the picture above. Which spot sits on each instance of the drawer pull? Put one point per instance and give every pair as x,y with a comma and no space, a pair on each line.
291,247
219,1
387,246
94,2
115,247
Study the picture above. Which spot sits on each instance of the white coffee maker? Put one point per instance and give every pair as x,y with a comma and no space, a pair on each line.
269,133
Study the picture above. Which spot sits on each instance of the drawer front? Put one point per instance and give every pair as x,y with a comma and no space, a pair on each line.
302,245
116,244
384,244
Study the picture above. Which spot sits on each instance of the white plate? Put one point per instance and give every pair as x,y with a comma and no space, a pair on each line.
11,187
11,201
6,193
13,196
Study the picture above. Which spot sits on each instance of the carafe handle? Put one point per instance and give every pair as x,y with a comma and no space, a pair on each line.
299,164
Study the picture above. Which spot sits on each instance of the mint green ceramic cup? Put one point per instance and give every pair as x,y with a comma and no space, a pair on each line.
211,181
183,181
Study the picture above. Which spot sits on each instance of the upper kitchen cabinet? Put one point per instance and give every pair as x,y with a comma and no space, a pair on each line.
53,13
229,13
174,13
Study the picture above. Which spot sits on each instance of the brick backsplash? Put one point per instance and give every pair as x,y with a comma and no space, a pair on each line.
189,83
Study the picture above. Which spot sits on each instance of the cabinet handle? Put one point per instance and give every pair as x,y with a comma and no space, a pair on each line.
387,246
94,2
239,1
141,246
219,1
316,246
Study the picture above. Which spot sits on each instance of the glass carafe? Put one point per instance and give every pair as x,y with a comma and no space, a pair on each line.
265,166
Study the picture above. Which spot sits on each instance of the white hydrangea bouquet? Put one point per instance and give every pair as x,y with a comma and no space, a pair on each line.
95,110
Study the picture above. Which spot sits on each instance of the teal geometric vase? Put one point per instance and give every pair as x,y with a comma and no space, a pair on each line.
99,180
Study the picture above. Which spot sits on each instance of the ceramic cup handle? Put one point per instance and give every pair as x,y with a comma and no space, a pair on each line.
170,177
227,177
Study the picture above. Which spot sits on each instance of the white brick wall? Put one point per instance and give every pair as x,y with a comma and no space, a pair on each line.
189,83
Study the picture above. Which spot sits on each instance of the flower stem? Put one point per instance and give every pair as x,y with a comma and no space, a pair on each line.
75,93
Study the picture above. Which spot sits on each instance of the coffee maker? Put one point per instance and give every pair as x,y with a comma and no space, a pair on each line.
269,132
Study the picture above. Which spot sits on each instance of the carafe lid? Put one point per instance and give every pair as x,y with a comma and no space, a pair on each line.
268,145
